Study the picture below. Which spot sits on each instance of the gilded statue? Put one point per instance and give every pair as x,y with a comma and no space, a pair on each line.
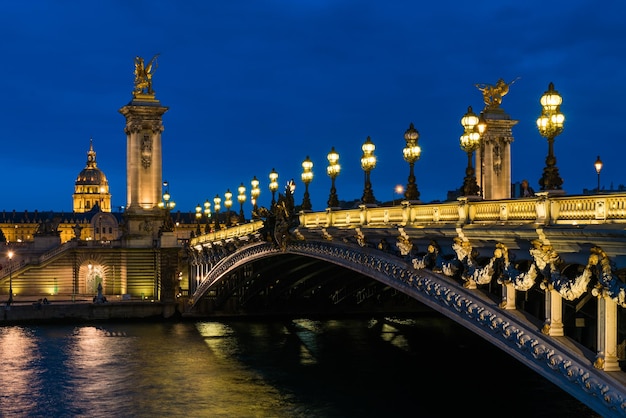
492,95
143,75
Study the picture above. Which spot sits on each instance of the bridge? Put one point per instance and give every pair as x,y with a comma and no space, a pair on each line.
541,278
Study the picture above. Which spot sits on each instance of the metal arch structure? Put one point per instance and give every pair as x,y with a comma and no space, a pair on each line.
555,358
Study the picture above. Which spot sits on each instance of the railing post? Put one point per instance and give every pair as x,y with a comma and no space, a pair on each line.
600,206
463,210
329,217
504,211
363,215
542,207
553,325
406,212
606,358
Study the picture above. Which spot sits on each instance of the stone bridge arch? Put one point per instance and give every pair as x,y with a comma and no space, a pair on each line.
557,359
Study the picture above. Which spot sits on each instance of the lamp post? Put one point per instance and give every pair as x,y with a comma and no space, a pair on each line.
241,197
470,141
216,205
598,166
412,153
207,214
550,124
198,216
10,300
166,203
273,185
368,163
254,195
228,202
307,177
333,170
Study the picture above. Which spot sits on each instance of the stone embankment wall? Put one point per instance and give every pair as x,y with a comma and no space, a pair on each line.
84,312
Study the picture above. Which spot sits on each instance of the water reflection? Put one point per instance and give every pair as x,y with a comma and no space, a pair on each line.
21,372
92,355
273,368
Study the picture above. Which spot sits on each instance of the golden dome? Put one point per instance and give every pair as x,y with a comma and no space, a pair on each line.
91,176
92,187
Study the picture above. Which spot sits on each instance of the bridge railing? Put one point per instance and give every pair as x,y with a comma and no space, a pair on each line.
541,209
231,232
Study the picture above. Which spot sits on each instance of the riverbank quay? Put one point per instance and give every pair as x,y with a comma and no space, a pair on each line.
55,310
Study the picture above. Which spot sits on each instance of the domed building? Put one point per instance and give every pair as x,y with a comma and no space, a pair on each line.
91,188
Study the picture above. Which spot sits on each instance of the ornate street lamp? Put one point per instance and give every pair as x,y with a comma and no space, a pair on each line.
241,197
412,153
273,185
10,300
198,216
307,177
333,170
207,214
228,202
166,203
550,124
216,205
598,166
254,195
470,142
368,163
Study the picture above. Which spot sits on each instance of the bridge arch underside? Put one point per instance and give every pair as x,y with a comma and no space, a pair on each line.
286,283
308,276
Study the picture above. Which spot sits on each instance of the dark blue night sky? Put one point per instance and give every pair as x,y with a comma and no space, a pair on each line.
256,85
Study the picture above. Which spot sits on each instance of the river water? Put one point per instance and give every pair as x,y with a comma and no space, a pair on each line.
424,366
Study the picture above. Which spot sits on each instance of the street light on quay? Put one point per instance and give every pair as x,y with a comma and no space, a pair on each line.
333,170
273,185
207,214
198,216
473,127
10,299
598,165
241,197
228,202
307,177
216,205
255,192
550,125
412,152
368,163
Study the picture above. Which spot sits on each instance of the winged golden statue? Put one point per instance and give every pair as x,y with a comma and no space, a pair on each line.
492,95
143,75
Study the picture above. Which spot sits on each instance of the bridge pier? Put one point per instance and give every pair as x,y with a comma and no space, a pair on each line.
553,325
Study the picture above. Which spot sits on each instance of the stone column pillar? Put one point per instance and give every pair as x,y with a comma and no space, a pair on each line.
554,313
508,296
606,358
143,171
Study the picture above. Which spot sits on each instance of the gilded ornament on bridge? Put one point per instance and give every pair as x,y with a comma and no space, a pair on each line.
492,94
281,219
143,77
